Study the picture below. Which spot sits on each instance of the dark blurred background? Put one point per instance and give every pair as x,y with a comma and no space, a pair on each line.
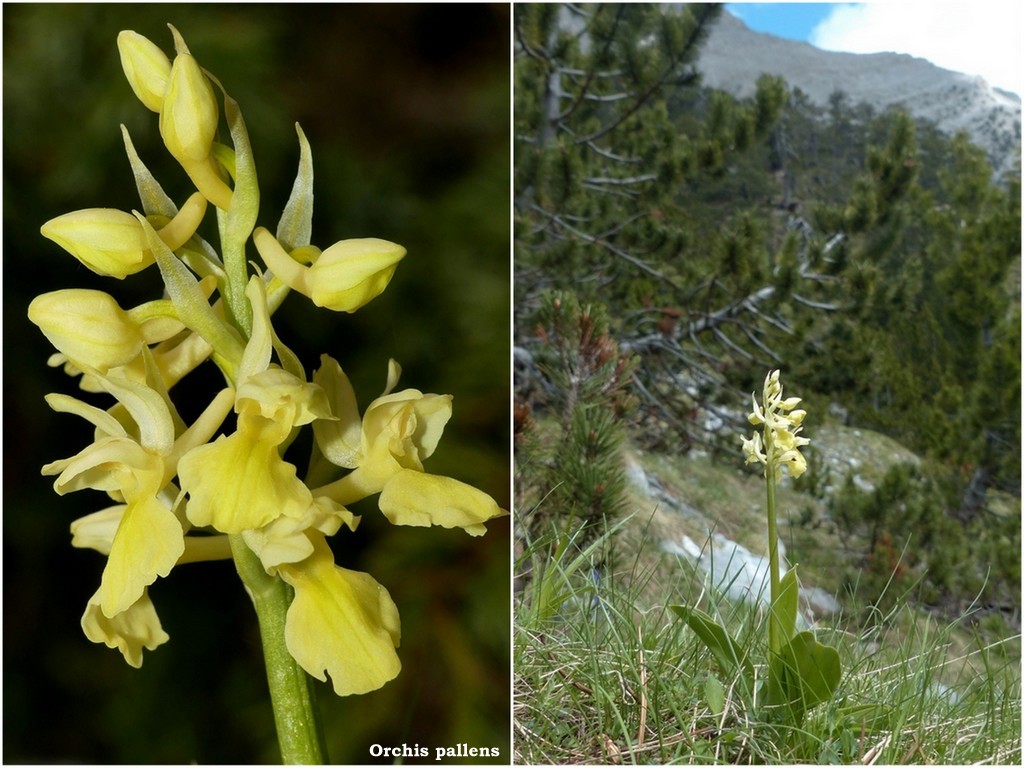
407,111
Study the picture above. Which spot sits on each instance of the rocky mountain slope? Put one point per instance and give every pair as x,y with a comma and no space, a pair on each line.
734,56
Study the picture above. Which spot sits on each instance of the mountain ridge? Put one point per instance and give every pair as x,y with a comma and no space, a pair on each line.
953,101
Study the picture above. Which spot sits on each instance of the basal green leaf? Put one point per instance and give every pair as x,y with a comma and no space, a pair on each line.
805,674
729,654
817,666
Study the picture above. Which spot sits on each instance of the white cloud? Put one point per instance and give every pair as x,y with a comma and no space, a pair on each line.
982,37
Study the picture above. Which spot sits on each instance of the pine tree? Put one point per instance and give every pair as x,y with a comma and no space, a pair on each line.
584,487
613,134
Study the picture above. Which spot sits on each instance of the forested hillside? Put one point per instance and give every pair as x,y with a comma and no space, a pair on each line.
673,244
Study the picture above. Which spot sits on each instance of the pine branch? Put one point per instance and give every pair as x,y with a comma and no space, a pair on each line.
641,265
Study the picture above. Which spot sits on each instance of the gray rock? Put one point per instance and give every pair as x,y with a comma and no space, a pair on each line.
820,603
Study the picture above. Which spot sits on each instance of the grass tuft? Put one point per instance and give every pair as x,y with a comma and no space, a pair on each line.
606,674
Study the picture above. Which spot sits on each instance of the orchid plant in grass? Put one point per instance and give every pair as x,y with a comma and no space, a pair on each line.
221,488
801,672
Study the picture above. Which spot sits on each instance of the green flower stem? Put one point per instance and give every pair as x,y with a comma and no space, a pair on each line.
299,732
775,638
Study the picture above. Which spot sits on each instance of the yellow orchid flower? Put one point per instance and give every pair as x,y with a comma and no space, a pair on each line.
134,465
93,332
398,431
188,114
240,482
87,326
753,449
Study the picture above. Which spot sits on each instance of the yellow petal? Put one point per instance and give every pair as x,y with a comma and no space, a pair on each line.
148,543
394,372
148,410
239,483
97,531
416,498
132,630
339,439
408,424
280,397
284,539
260,346
105,424
105,465
341,623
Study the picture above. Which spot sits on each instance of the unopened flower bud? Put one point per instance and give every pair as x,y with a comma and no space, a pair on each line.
188,115
146,67
112,242
87,326
106,240
345,277
188,125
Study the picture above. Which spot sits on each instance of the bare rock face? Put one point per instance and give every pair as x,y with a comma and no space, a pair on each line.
734,56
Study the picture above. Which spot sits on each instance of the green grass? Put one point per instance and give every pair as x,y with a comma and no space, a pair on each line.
605,673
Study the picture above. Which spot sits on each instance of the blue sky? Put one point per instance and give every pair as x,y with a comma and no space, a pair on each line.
794,21
979,37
